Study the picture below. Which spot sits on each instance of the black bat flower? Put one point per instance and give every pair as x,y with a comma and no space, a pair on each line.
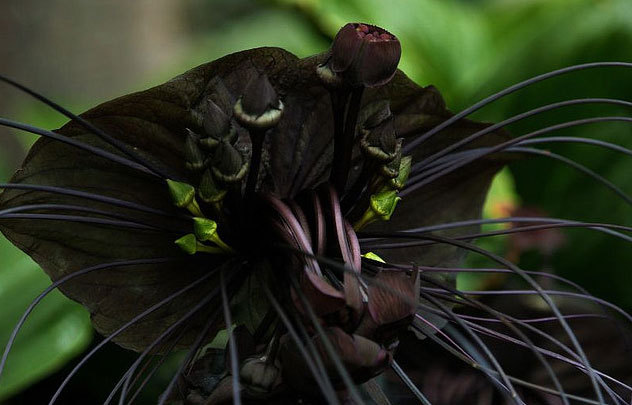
317,210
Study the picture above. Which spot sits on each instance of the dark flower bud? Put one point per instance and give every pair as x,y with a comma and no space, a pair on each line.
362,55
229,165
216,123
192,152
374,114
220,95
391,169
259,106
208,191
380,143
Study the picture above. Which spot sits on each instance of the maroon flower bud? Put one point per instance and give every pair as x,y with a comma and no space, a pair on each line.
362,55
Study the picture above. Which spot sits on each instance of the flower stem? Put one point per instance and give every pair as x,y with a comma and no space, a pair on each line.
344,101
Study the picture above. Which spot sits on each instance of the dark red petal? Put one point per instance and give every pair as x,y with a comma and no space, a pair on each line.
392,297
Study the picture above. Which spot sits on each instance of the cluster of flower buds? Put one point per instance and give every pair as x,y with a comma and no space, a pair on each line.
361,56
384,167
379,143
220,159
215,155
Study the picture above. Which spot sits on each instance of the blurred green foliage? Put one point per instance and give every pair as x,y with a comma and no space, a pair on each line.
467,49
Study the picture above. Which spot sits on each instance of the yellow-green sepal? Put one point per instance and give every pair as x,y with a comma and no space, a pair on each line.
190,245
206,230
381,206
183,196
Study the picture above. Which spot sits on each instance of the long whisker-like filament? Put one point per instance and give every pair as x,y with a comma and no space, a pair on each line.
515,380
575,139
317,370
125,380
331,352
448,316
126,149
475,107
61,281
232,347
165,349
548,353
441,290
507,387
420,180
440,293
128,377
466,223
577,166
535,320
554,292
411,385
79,208
78,144
375,244
156,367
190,355
502,318
535,349
212,295
129,324
467,358
91,196
538,290
442,333
504,382
82,219
517,118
